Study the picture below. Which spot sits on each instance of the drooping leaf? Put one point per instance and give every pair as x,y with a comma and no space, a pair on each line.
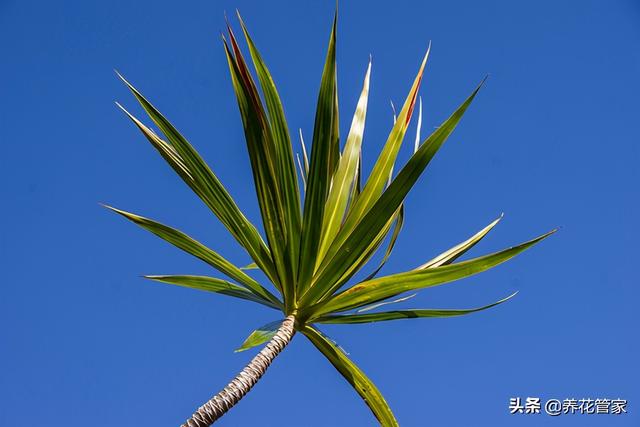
198,250
354,376
345,175
319,178
454,253
378,216
205,184
211,284
385,287
403,314
260,336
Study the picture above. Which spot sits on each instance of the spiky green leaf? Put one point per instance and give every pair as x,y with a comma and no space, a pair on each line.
399,221
260,146
373,247
346,173
403,314
198,250
285,164
387,302
212,284
371,291
381,172
457,251
330,275
198,175
320,168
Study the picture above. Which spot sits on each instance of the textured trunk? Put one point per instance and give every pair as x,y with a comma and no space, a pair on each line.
219,404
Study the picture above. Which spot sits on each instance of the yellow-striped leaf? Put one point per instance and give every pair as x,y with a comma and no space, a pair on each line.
379,289
404,314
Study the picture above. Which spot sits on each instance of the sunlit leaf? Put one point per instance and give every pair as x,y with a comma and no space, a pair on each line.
320,171
211,284
378,216
303,175
345,175
304,155
368,253
382,304
374,290
403,314
454,253
416,143
251,266
376,182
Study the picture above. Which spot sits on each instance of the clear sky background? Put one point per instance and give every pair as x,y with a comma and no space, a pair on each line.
552,140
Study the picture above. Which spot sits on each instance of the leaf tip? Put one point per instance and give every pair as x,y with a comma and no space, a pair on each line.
121,77
123,109
240,18
505,299
424,63
426,55
544,236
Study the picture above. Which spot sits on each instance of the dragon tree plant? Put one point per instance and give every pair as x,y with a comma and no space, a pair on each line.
320,229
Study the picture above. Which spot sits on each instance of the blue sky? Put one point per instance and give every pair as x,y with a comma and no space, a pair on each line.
552,140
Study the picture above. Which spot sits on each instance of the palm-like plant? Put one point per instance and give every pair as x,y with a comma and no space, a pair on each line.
313,248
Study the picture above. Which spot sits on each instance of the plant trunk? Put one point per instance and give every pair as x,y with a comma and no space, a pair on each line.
219,404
